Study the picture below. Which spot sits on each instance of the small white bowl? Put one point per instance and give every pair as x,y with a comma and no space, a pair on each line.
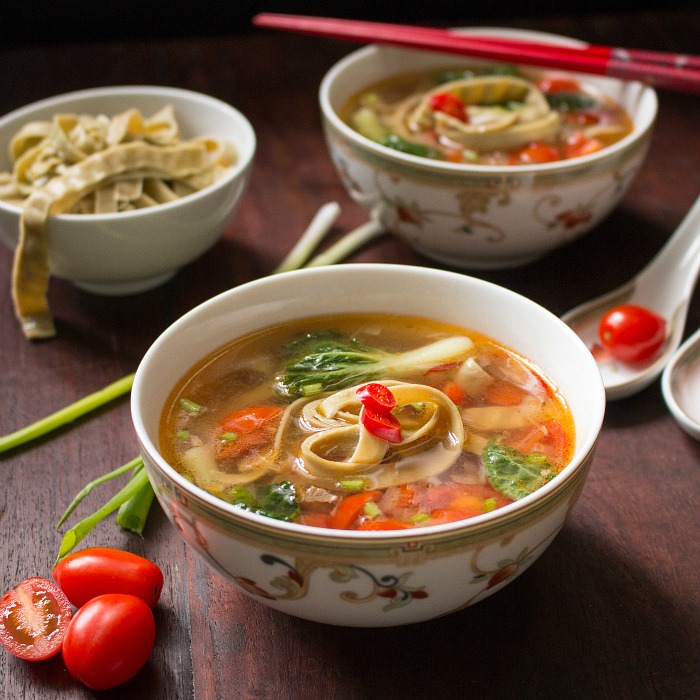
134,251
680,385
354,578
478,216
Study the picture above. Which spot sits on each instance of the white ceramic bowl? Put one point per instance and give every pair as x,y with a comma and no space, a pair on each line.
356,578
133,251
476,216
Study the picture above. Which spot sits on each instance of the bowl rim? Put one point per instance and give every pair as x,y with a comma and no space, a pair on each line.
245,156
582,454
640,129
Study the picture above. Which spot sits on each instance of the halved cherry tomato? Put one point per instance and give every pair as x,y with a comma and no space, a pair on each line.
109,640
97,570
34,616
376,397
632,333
382,425
536,152
449,104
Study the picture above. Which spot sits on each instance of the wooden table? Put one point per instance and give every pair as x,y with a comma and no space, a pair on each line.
612,610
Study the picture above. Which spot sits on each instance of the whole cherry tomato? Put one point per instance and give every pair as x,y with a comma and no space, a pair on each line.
109,640
34,616
632,333
97,570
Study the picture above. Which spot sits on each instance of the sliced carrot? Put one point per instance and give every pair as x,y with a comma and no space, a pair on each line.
578,144
454,392
316,519
384,524
505,394
249,418
350,507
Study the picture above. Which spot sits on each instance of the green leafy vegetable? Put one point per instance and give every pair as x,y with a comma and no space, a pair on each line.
514,474
67,414
398,143
277,501
328,361
569,102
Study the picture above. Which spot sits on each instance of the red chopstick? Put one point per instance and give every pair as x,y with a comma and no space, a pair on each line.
664,70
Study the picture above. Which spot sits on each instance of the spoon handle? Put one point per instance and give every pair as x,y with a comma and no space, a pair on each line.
678,262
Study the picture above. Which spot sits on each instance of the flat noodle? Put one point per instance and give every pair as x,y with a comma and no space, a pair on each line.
83,164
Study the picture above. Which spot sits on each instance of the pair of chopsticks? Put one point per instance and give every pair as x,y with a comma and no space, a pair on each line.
679,72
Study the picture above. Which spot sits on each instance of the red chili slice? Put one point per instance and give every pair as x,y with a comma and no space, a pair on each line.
376,397
449,104
382,425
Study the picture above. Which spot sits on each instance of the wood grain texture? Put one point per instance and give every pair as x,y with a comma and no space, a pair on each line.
611,611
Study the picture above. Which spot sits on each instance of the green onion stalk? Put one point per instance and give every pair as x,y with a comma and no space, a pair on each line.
133,501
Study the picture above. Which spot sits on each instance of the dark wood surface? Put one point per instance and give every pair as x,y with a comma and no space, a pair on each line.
611,610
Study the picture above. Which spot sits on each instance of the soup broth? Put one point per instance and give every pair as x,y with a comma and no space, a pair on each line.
496,116
368,422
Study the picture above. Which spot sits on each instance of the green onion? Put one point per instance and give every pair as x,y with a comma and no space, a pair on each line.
78,532
190,406
352,484
229,437
183,434
419,518
133,514
67,415
372,510
489,504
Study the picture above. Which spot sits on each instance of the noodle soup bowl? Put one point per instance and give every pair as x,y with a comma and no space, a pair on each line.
472,215
360,578
133,251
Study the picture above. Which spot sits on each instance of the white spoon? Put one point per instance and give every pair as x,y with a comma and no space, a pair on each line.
680,385
665,286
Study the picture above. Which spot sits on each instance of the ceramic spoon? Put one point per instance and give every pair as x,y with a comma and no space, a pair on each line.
665,285
680,385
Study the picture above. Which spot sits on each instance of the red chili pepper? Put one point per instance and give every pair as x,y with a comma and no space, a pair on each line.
382,425
449,104
376,397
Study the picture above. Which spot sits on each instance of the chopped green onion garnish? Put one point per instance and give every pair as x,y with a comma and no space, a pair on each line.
190,406
372,510
419,518
183,434
353,484
489,504
229,437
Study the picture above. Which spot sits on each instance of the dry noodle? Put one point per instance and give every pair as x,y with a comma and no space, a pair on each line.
83,164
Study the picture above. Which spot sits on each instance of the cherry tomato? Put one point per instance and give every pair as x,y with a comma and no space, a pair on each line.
382,425
34,616
97,570
449,104
632,333
376,397
536,152
109,640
